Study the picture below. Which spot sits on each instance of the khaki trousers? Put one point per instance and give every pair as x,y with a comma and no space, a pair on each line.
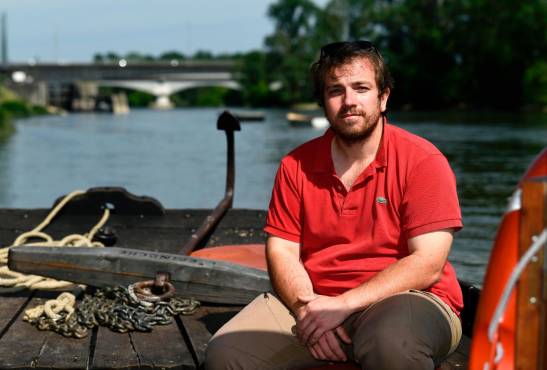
411,330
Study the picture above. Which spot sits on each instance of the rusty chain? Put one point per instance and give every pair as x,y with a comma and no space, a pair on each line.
118,309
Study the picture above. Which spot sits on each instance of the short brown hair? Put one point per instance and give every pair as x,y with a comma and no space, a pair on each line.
339,53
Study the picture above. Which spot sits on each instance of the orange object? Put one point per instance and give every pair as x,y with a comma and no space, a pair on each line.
250,255
498,352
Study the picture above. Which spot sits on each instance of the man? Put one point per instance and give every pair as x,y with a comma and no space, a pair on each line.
360,226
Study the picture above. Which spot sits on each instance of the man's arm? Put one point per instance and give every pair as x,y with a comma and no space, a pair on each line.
291,282
419,270
287,274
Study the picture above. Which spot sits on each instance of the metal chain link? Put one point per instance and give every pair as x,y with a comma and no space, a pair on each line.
118,310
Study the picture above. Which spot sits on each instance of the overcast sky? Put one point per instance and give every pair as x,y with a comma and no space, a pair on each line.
74,30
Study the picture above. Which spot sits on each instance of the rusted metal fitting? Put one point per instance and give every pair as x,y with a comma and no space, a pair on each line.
156,290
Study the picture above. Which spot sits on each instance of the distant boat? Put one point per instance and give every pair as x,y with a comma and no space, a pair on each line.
305,120
249,116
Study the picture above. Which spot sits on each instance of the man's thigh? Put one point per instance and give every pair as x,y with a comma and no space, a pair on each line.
261,336
404,331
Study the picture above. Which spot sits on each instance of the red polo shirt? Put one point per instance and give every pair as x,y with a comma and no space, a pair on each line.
346,237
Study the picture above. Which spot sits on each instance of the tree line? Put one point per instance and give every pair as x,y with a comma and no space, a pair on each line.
465,54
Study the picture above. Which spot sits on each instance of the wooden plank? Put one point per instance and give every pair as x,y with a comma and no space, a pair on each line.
201,326
23,346
460,358
114,351
529,297
10,307
162,233
163,348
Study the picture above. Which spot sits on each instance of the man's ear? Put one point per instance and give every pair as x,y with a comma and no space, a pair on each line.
383,99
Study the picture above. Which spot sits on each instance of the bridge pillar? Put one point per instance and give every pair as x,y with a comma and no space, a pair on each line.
162,102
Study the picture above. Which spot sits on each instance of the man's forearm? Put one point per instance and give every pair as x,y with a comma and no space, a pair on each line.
403,275
287,274
419,270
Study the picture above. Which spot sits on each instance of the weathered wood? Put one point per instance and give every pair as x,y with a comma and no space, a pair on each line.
24,347
205,280
163,348
458,359
9,310
114,351
203,324
162,233
530,298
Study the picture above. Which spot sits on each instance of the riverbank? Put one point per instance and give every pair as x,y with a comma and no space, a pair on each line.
11,108
6,125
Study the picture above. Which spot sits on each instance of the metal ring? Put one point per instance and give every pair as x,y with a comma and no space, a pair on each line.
143,291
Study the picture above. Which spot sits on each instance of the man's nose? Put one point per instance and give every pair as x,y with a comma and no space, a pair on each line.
350,97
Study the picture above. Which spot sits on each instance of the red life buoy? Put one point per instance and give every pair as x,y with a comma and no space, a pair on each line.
496,350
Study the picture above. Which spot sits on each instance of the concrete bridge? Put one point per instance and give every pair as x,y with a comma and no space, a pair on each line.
161,79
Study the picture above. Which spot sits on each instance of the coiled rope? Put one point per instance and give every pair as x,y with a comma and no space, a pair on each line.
11,281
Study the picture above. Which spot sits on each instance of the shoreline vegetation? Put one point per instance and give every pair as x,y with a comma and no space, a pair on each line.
443,55
13,107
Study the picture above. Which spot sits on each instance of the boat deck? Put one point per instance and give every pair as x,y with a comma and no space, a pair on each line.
180,345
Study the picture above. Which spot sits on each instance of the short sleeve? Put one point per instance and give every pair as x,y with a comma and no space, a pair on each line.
284,214
430,200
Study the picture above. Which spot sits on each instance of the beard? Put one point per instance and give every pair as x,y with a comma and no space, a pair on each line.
356,133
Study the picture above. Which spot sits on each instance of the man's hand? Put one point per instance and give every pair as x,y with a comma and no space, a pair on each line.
317,315
328,347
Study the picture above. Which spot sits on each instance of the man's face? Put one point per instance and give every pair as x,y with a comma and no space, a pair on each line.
351,100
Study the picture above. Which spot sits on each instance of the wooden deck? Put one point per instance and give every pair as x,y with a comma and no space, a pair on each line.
180,345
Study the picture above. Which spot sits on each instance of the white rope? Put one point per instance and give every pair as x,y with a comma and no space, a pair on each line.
64,302
11,281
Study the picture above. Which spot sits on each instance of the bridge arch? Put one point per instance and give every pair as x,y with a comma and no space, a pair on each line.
162,90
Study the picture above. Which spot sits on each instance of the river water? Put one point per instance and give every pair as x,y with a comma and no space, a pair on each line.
179,157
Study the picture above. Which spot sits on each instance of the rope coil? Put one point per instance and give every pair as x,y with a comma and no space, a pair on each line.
11,281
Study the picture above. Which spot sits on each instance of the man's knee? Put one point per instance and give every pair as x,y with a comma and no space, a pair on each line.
222,355
216,357
389,350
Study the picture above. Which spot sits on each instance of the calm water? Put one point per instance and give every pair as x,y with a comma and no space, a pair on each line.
178,157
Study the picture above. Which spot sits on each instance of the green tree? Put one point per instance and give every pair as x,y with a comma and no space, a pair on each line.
171,55
292,46
203,55
255,79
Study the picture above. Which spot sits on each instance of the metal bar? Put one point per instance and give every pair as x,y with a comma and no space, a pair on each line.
228,123
205,280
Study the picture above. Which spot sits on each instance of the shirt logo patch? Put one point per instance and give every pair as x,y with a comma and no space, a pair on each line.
381,200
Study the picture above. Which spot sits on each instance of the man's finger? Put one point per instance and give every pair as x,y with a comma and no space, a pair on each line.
314,336
343,335
334,346
310,335
319,351
314,352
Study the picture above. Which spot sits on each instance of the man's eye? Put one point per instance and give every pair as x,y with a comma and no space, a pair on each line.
362,89
334,91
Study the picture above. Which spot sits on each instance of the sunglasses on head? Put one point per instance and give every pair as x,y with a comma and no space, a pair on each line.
334,47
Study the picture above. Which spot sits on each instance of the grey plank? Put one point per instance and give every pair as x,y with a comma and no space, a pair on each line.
23,346
163,348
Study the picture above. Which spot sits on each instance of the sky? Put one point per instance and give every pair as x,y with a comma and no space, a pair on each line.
74,30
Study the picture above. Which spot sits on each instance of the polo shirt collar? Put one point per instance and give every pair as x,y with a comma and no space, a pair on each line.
323,159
